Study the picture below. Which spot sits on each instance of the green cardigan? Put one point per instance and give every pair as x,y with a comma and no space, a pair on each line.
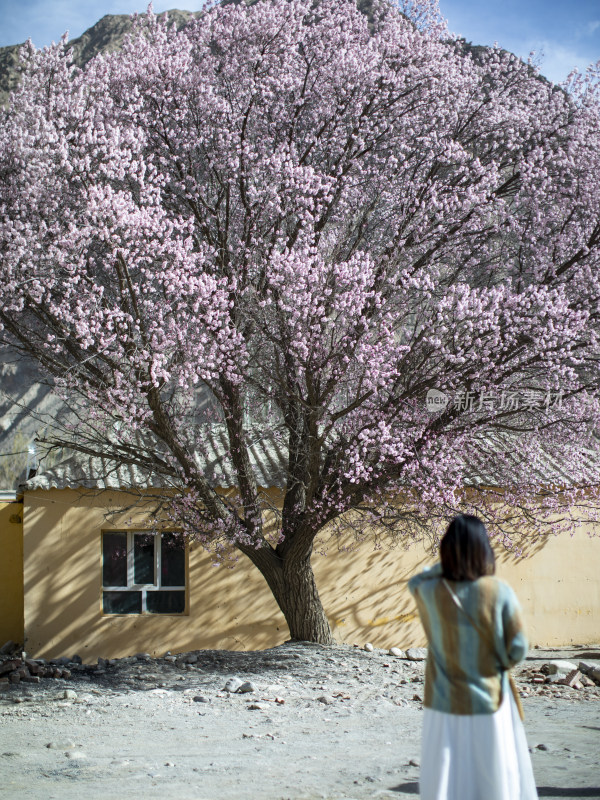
466,670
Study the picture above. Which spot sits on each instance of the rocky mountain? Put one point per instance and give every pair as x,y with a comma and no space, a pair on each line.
105,36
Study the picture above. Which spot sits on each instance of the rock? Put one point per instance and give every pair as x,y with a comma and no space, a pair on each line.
255,707
61,662
416,653
76,659
571,679
142,656
60,745
586,666
171,659
542,747
199,698
395,651
558,678
232,685
247,686
169,764
325,700
368,647
559,666
591,669
10,666
414,762
75,755
69,694
191,659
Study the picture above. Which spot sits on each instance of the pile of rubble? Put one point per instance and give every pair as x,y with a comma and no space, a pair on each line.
560,675
16,667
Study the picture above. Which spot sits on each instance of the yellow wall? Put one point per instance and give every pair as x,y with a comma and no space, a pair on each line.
364,592
11,572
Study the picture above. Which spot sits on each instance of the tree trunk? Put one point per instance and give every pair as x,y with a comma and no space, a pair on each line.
292,582
301,604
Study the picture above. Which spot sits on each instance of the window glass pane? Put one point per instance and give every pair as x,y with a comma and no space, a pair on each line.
165,602
122,602
143,558
172,554
114,559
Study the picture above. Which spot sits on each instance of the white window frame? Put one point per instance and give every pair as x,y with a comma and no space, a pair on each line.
144,587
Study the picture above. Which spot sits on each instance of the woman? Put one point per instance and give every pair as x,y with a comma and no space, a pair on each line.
473,745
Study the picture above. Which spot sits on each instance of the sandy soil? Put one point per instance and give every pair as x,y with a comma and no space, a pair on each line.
335,723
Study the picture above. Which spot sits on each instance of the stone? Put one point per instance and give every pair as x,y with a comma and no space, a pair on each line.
191,659
555,678
143,656
395,651
325,700
255,707
571,679
247,686
590,668
416,653
368,647
199,698
10,666
171,659
414,762
559,666
586,666
232,685
76,755
60,745
542,747
69,694
76,659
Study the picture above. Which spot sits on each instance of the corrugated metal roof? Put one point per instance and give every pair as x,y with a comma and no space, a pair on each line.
499,460
504,458
268,458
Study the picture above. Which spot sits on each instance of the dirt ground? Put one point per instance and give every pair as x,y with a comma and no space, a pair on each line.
335,723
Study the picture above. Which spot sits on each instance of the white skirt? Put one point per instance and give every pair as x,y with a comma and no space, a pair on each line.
476,757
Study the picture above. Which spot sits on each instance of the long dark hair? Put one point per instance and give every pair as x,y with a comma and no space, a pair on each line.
465,550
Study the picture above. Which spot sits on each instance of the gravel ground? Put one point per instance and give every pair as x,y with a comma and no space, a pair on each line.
337,722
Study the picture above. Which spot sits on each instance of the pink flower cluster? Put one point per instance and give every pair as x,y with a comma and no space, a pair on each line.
312,223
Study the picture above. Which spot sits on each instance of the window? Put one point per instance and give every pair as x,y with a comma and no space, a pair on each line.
143,573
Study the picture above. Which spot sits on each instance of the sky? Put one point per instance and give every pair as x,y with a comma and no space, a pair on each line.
563,33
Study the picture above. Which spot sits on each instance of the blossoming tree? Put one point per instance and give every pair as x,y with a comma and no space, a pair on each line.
314,221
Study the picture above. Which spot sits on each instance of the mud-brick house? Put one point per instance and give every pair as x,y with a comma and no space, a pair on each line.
81,574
